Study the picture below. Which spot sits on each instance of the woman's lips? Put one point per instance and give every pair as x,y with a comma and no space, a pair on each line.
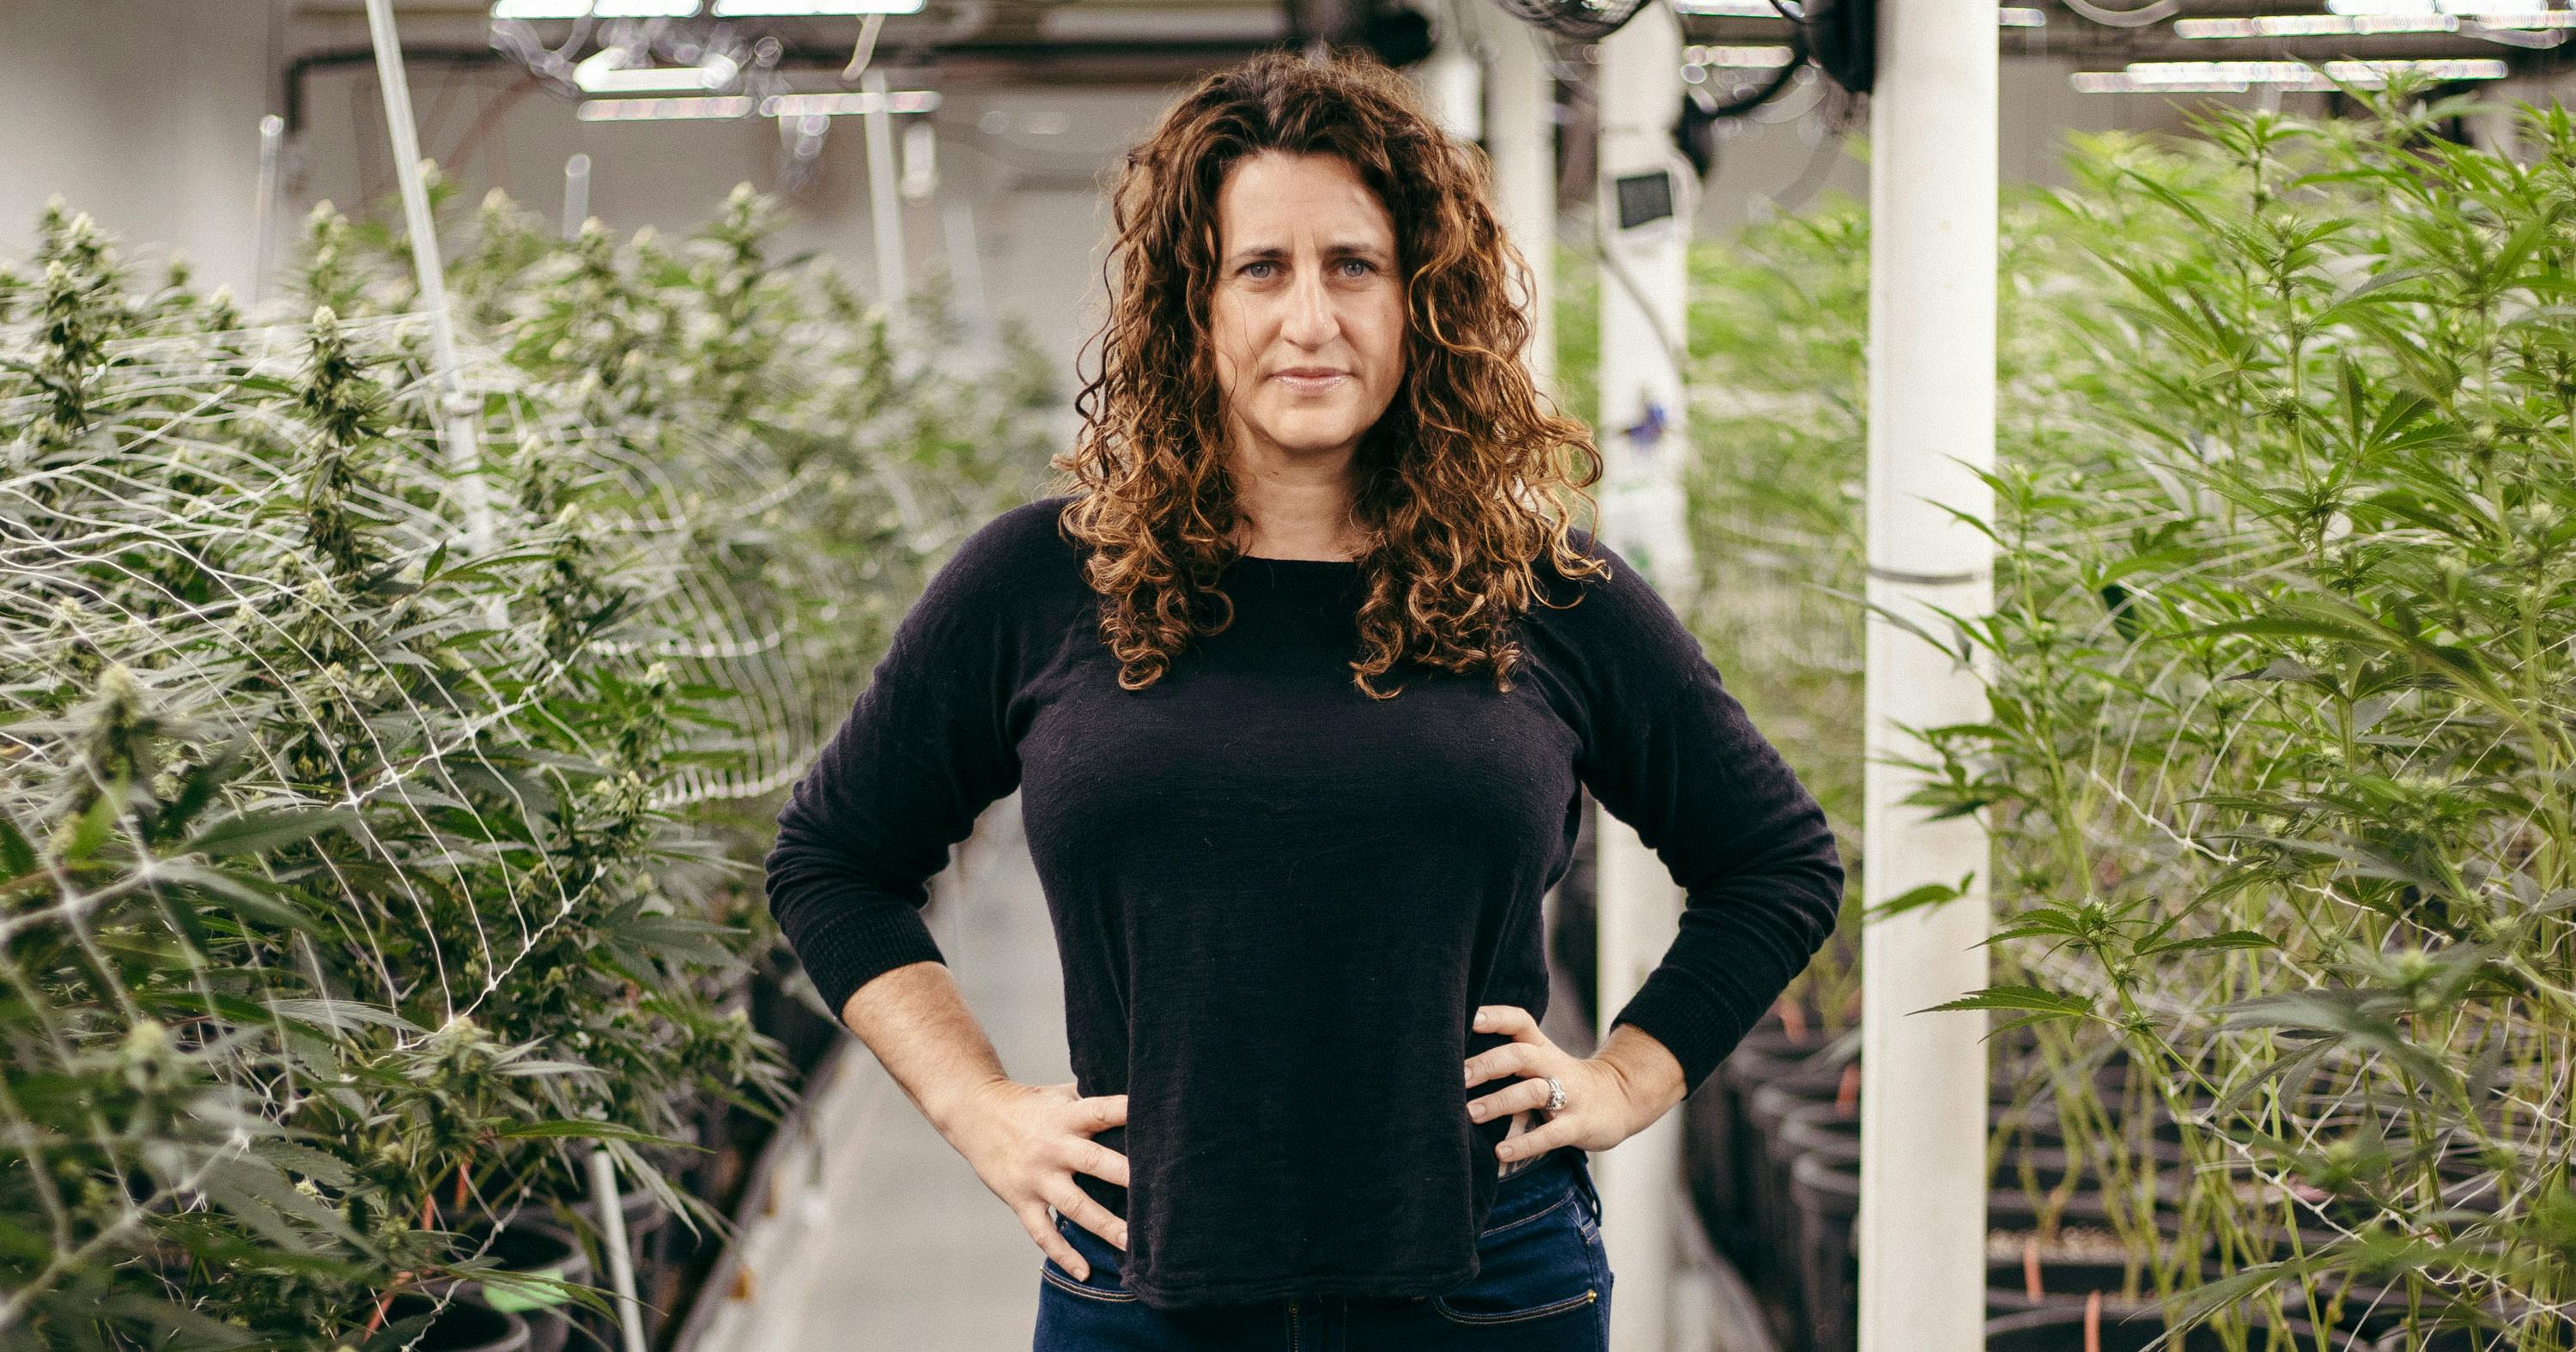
1315,384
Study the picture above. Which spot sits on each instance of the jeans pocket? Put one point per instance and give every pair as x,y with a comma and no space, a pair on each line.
1531,1268
1104,1282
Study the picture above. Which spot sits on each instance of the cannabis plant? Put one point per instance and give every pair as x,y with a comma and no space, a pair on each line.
364,774
2281,737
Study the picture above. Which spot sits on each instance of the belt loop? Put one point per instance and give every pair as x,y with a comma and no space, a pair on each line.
1583,1176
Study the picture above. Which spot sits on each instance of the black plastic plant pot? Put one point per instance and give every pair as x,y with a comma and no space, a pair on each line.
1761,1105
2014,1066
1817,1128
643,1215
1824,1195
1774,1267
1789,1126
1709,1148
643,1212
457,1322
2371,1312
2062,1330
2158,1138
705,1171
803,1033
1721,1151
2071,1228
2461,1338
535,1248
1827,1132
2366,1312
2070,1282
2465,1188
1771,1041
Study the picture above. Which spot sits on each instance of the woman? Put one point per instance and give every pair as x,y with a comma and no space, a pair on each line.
1302,681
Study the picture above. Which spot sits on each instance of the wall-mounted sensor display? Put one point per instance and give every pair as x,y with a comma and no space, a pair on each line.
1644,198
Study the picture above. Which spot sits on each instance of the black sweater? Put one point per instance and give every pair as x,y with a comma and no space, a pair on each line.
1278,903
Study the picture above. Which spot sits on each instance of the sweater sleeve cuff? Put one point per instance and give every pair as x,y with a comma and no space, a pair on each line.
1698,1021
852,945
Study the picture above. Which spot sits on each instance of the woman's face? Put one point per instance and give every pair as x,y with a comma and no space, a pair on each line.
1308,309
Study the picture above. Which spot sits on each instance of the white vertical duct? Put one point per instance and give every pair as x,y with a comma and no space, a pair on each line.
576,194
263,229
1452,84
1641,440
1520,138
1643,202
1933,122
460,419
885,206
612,1239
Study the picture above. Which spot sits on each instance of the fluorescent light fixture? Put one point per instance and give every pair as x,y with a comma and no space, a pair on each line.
744,105
606,9
2315,25
1739,58
844,105
2235,77
649,80
663,110
789,9
2117,82
2010,16
599,73
1194,23
2465,8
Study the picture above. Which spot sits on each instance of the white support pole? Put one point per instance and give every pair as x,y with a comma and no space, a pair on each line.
1644,201
459,420
612,1239
885,205
1933,123
263,228
576,195
1642,1187
1451,81
1520,137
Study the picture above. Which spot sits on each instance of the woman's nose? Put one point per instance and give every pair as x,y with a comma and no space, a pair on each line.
1310,310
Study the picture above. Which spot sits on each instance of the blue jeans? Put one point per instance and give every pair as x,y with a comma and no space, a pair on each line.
1542,1284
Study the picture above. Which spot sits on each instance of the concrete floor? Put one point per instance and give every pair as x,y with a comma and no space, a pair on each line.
883,1236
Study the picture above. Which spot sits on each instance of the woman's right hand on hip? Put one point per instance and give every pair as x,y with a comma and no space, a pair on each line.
1027,1141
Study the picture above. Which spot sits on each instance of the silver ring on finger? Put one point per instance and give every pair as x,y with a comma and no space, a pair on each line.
1555,1095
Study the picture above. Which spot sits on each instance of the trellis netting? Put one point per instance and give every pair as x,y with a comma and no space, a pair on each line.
351,877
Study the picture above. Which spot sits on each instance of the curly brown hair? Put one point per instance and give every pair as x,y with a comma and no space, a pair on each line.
1458,486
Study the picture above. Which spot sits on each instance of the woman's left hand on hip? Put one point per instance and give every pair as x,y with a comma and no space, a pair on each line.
1598,1111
